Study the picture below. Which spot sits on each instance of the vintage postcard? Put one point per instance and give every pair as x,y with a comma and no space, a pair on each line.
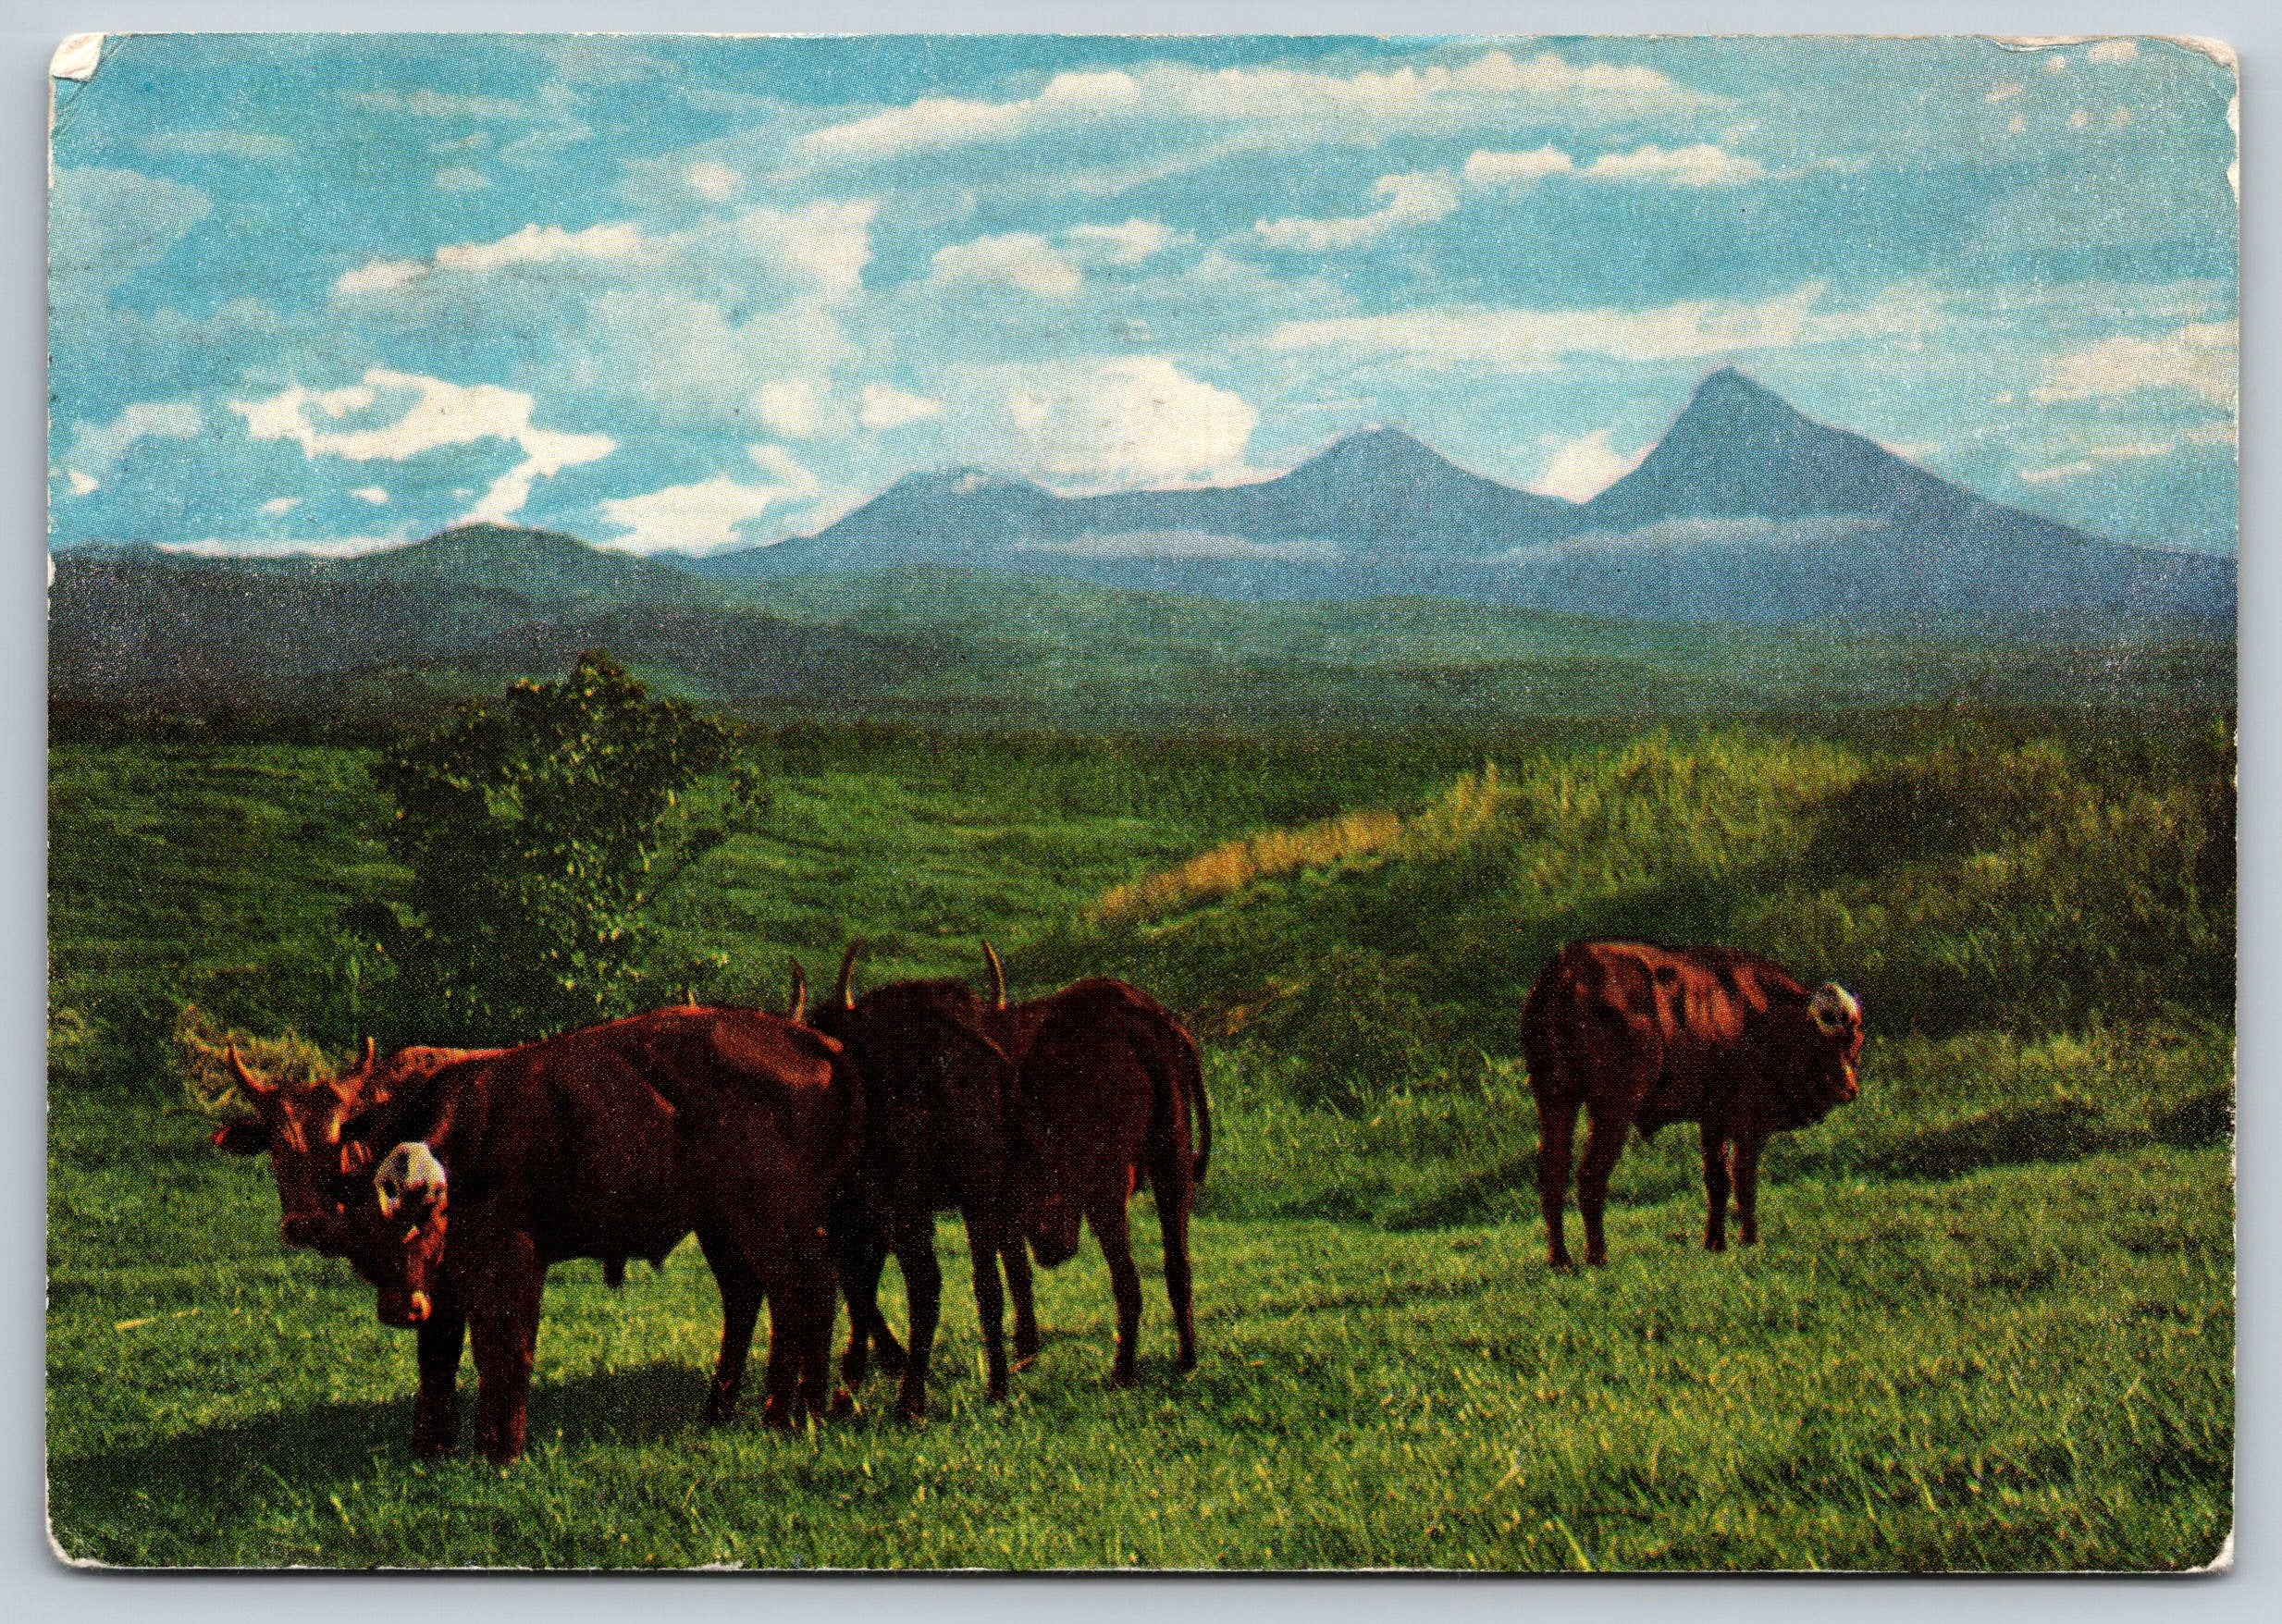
1043,803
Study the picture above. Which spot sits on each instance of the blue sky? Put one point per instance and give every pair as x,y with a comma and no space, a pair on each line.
316,292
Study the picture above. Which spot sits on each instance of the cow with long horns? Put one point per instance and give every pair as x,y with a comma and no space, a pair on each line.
1108,1086
938,1090
1638,1034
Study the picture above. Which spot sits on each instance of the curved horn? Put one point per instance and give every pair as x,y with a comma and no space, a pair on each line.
347,1086
1835,1010
246,1079
797,1010
998,975
845,996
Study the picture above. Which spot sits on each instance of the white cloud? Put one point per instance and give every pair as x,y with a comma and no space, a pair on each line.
346,546
82,484
536,245
2055,65
99,446
1581,469
1699,164
1364,105
886,406
370,493
1488,169
380,275
707,515
1519,340
2075,470
459,178
1138,420
441,413
427,104
2006,91
793,406
1124,245
1411,200
2077,119
2113,51
2199,357
1017,259
277,505
711,181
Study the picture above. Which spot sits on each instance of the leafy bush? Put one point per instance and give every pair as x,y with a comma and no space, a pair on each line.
202,1046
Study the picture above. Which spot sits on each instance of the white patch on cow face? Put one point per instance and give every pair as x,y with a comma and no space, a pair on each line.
408,1174
1836,1011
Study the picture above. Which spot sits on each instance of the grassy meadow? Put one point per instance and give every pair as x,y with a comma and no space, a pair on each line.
1990,1326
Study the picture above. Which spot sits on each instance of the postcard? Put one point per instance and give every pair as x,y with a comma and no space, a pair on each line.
1081,803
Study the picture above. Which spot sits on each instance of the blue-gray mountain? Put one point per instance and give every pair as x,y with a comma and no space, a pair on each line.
1745,510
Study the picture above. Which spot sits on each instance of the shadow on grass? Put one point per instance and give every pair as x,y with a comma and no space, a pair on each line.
168,1495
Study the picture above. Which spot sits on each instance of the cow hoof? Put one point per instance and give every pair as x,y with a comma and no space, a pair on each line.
911,1415
1186,1362
776,1415
994,1393
1713,1243
1124,1378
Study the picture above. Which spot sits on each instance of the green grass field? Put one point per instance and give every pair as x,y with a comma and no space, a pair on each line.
1991,1325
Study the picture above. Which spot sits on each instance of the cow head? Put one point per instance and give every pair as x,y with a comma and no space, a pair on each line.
1836,1015
396,1241
300,1126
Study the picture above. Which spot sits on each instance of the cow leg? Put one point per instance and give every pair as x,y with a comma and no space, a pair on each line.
915,1254
1603,1144
504,1329
1109,1228
1714,1141
1170,1179
982,1232
861,1259
1557,1125
1017,1260
435,1413
1747,1191
801,1300
741,1296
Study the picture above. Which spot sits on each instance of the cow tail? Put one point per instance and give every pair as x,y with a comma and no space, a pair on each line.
1193,1069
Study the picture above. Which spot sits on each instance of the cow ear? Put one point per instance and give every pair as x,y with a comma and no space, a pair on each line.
355,1157
242,1139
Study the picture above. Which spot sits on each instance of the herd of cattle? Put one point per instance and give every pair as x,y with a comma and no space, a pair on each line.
803,1148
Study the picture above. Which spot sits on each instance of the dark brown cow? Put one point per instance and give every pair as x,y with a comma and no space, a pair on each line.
1641,1035
1107,1085
937,1091
609,1143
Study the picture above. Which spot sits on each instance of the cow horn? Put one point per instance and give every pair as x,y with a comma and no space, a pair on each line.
1835,1009
998,975
797,1010
347,1086
246,1079
845,996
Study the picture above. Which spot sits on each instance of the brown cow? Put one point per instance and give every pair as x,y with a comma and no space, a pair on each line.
608,1143
1106,1086
1643,1034
937,1091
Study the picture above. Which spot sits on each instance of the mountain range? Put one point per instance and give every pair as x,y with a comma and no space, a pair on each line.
1753,559
1745,511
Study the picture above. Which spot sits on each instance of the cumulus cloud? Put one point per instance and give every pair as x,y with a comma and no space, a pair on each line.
2197,357
370,493
711,181
97,448
1138,420
1580,469
1366,105
1699,164
707,515
1488,169
1122,245
82,484
1510,340
277,505
1411,200
2075,470
792,406
885,407
2113,51
1017,259
439,414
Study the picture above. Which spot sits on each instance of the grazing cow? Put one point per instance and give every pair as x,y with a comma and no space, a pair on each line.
609,1143
937,1091
1640,1035
1106,1086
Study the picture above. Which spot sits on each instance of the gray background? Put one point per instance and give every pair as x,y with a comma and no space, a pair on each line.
34,1585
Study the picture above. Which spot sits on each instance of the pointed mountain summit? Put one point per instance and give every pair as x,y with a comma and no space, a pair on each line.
1740,450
